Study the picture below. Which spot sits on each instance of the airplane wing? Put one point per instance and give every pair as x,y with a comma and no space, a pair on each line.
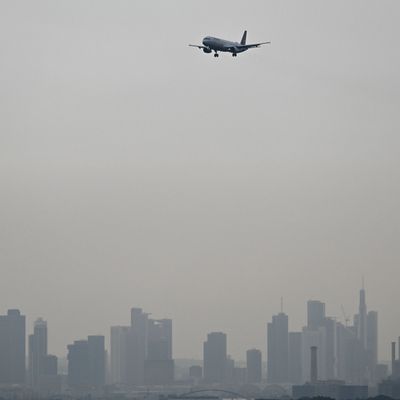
198,46
252,46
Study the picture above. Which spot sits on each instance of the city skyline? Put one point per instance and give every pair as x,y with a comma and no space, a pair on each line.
137,172
314,309
326,357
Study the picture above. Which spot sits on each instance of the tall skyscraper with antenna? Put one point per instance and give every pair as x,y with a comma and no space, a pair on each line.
366,327
362,319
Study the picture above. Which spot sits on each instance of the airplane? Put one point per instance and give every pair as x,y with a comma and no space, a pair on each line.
211,44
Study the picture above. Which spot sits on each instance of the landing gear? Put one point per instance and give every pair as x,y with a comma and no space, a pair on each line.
234,54
216,54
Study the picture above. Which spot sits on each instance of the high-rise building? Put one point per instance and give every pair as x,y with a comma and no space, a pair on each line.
137,349
363,363
295,357
12,348
362,320
278,349
215,357
372,344
119,342
229,370
49,382
97,360
159,342
317,319
49,366
315,314
86,363
331,348
344,336
351,355
37,349
78,364
142,353
159,366
42,367
344,352
254,366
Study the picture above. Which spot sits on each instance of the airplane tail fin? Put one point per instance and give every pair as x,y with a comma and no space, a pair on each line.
243,41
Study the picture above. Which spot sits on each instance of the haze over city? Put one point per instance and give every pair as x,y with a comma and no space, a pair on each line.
138,172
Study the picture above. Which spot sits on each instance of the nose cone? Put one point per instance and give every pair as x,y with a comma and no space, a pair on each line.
206,41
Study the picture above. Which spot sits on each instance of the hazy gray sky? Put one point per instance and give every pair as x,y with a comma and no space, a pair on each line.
136,171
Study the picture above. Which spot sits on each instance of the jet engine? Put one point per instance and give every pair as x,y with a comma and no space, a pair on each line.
206,50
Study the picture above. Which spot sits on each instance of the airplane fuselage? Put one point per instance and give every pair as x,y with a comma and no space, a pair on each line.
217,44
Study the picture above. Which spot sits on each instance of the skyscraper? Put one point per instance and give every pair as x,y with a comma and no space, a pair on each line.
318,321
254,366
12,347
37,351
362,320
137,346
372,344
86,363
295,357
142,353
215,357
159,342
78,364
49,367
278,349
119,340
315,314
159,366
229,370
42,367
331,348
366,360
97,360
345,335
